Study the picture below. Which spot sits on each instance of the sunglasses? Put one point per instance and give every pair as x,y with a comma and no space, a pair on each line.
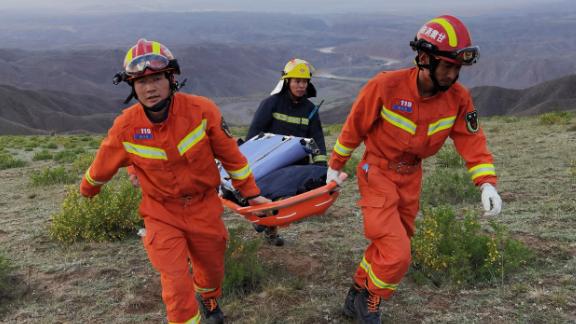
153,62
465,56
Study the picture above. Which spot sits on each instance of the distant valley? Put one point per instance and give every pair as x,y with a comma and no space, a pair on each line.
55,72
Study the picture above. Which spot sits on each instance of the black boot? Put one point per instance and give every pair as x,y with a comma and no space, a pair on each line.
259,228
272,236
348,309
367,306
210,310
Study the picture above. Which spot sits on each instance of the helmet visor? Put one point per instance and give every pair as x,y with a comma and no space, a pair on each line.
464,56
153,62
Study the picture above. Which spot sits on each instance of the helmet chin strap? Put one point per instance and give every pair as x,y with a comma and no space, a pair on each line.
163,107
432,66
158,106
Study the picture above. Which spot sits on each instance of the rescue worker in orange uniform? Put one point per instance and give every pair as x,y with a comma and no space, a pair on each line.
170,140
405,116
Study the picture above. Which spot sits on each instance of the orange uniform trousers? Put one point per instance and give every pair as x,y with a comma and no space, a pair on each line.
389,202
181,233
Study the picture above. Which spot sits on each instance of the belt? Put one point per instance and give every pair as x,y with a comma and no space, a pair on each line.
409,164
182,201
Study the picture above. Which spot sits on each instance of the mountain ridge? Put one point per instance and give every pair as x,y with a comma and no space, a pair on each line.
554,95
31,112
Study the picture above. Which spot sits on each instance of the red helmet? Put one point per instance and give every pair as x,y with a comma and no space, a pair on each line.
447,38
149,57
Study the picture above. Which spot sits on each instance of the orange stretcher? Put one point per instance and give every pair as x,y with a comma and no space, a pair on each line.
285,211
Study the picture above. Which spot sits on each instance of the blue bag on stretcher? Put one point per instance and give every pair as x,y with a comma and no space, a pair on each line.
268,152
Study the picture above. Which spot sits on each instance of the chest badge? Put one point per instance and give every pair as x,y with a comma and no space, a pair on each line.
143,133
403,105
472,121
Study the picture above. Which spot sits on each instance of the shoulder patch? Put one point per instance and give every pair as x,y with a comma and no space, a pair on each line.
472,121
225,128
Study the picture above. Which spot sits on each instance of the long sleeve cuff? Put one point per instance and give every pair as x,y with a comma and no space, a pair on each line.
88,190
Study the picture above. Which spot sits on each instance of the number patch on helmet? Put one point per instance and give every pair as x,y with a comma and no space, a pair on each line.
472,121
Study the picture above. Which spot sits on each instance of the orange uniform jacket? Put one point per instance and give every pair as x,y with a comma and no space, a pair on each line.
173,159
393,120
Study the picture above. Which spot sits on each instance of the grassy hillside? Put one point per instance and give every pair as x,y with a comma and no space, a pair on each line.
306,280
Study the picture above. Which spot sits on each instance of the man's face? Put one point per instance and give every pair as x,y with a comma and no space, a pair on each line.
152,89
447,73
298,87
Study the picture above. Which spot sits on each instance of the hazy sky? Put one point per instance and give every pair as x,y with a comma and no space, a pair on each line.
403,7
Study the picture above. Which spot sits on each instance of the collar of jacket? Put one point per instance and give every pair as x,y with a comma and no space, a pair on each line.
288,97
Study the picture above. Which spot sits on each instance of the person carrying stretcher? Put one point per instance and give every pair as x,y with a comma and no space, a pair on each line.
288,111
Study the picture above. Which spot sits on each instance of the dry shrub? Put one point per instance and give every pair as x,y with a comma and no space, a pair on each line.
111,215
456,251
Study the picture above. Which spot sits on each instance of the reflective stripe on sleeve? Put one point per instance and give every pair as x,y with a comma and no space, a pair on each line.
320,158
92,181
342,150
240,174
482,170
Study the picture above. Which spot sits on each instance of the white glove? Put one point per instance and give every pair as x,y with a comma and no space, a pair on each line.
333,175
490,200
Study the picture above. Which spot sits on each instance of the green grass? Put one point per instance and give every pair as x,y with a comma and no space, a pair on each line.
12,141
8,162
350,166
239,131
42,156
332,130
306,280
244,272
448,186
51,176
556,118
82,162
5,269
68,155
9,288
50,145
447,157
94,143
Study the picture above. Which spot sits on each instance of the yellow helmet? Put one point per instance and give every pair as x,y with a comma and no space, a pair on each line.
297,68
